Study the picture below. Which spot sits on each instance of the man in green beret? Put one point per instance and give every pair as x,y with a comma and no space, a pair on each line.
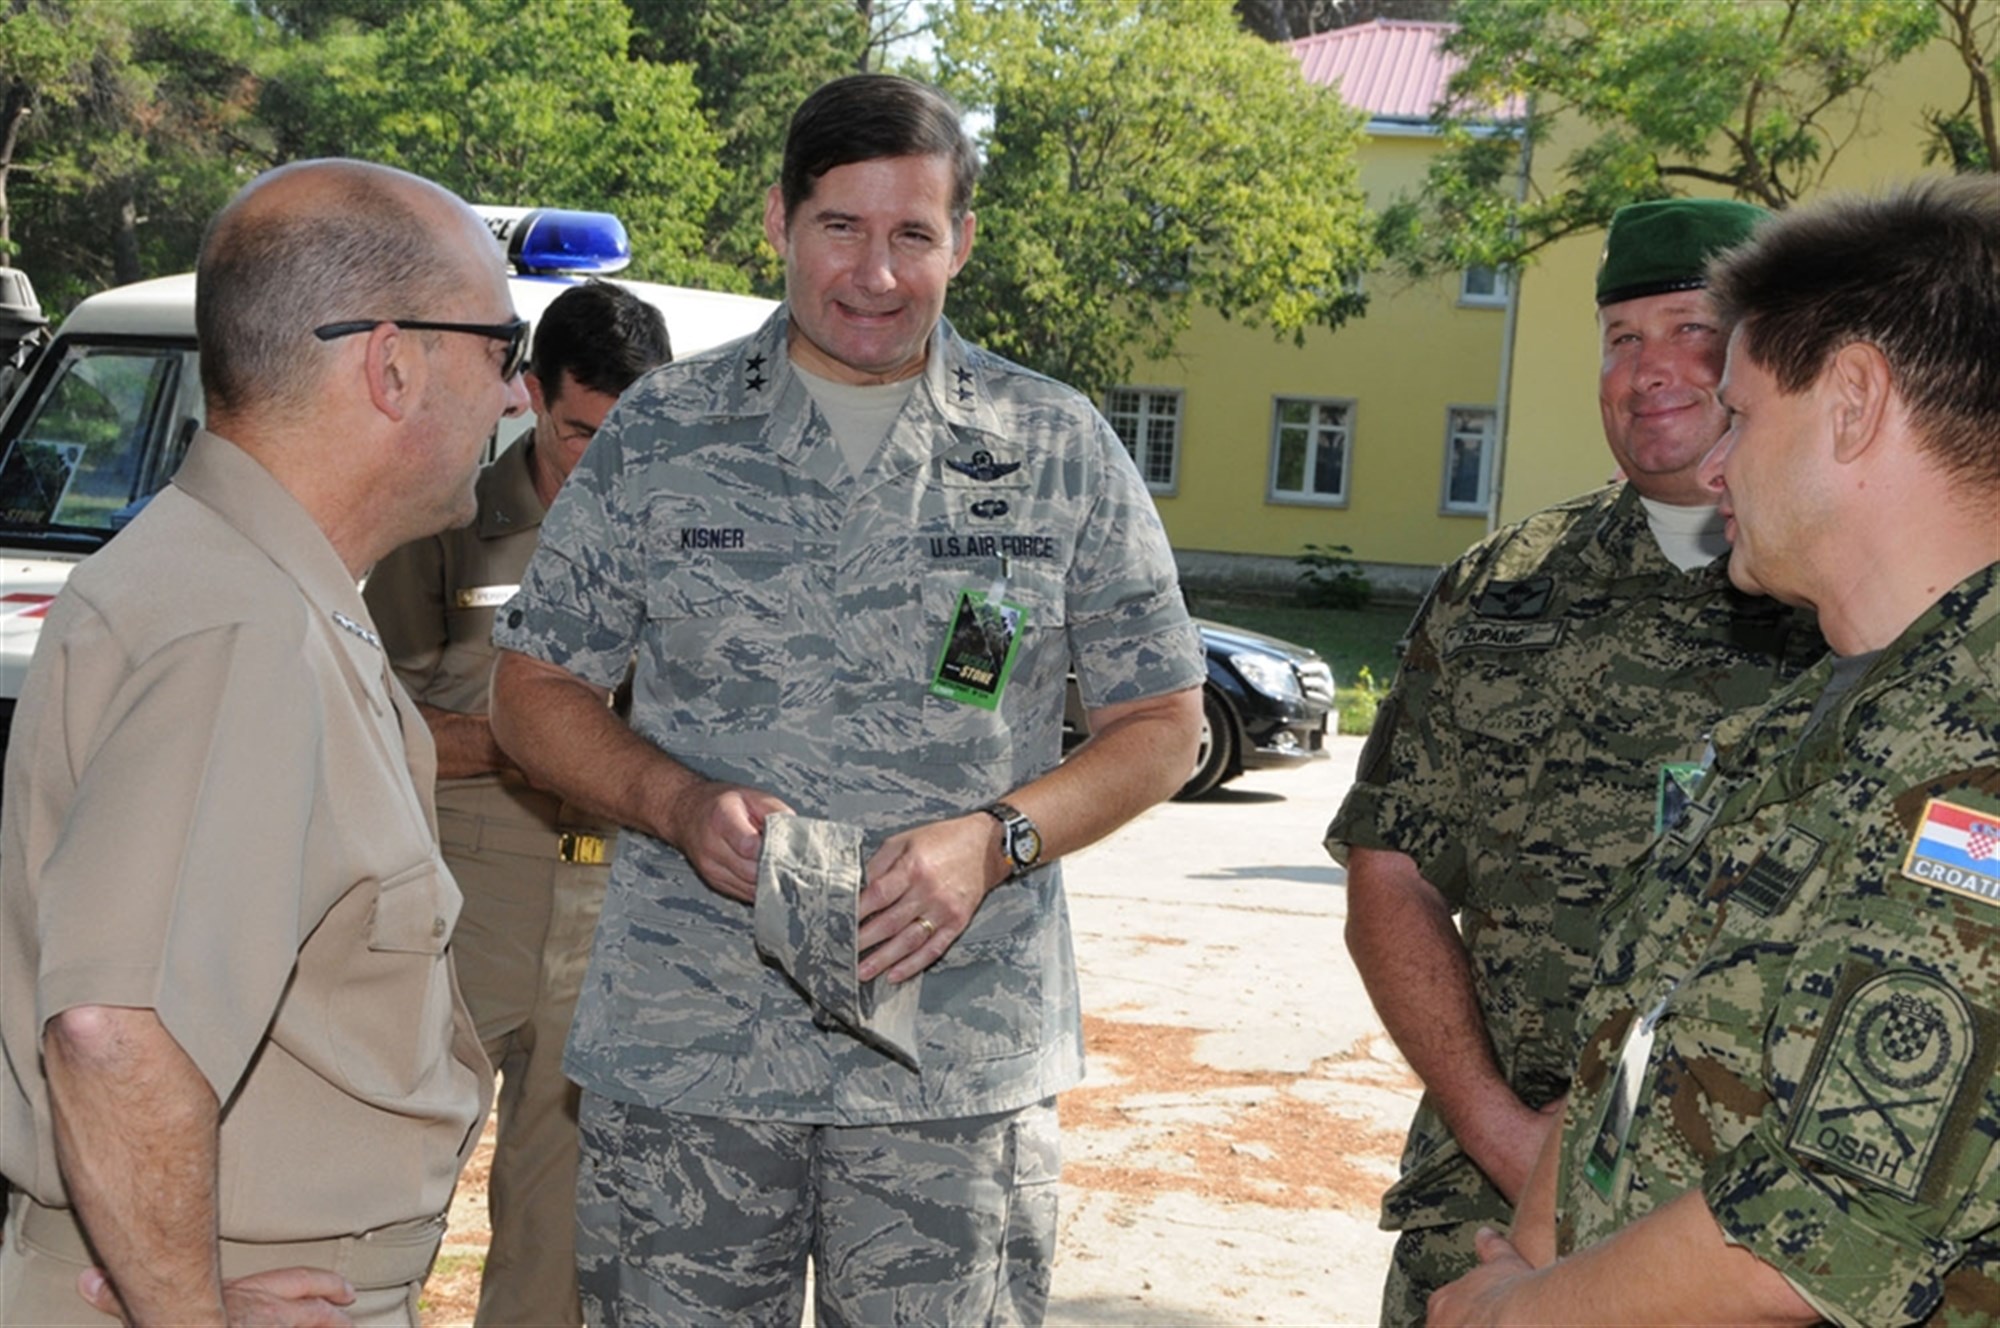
1555,698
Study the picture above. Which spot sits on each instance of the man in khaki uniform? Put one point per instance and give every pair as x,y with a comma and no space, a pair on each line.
532,868
240,1080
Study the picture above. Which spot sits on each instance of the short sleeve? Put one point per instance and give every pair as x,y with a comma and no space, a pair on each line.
1129,632
1406,788
583,598
1873,1170
178,882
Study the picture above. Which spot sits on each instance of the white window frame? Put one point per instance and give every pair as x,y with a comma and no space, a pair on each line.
1134,428
1489,450
1496,298
1307,498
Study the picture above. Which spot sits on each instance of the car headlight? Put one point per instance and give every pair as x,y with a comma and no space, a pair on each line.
1269,675
1317,679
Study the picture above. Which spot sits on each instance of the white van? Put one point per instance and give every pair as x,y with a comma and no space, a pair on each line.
112,402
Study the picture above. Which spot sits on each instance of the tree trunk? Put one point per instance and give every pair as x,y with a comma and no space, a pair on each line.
14,109
125,259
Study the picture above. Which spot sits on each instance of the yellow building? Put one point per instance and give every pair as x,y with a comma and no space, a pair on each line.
1380,436
1383,436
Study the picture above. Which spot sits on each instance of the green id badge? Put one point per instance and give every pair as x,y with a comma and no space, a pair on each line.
1678,781
979,650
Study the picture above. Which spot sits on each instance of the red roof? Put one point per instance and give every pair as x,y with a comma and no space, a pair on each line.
1394,69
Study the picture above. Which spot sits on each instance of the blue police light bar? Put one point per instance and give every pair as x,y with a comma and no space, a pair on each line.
557,240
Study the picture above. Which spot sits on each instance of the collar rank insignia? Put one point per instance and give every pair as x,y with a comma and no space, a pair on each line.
964,376
348,624
983,467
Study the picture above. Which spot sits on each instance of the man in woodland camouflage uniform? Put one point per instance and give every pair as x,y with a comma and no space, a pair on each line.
1556,689
1786,1106
856,557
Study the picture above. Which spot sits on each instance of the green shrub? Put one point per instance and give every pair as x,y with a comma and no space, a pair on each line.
1355,702
1330,578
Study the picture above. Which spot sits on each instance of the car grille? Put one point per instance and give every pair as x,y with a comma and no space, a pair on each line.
1316,681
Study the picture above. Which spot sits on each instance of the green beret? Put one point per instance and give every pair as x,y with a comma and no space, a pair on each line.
1653,248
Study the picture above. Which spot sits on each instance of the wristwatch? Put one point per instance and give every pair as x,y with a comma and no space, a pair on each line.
1019,839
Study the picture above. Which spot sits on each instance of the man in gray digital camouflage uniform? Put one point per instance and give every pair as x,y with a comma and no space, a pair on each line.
856,557
1556,689
1786,1107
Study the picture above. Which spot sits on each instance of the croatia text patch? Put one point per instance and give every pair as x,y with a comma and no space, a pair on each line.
1958,849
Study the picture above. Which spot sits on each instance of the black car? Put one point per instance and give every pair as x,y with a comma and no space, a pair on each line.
1265,704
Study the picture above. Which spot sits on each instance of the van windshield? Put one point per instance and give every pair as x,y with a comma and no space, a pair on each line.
97,433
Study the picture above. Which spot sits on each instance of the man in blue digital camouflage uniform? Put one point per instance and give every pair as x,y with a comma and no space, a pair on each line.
856,558
1556,687
1786,1106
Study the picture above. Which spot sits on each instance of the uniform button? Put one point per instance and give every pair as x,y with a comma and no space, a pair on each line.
437,927
514,618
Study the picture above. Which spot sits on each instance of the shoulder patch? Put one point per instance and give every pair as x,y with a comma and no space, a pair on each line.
1958,849
1891,1088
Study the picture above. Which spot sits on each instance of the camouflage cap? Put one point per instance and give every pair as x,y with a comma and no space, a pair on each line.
809,877
1653,248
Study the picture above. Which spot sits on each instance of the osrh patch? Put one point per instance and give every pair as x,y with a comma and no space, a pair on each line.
1891,1088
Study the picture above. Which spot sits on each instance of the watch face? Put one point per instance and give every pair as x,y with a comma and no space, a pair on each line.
1027,846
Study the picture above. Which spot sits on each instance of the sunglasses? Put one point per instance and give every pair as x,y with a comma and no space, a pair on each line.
514,332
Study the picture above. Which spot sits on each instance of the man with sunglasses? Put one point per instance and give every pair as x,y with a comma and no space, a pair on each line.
532,868
241,1082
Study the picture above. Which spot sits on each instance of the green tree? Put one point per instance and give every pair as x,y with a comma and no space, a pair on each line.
1968,135
516,103
314,19
137,118
1289,20
1756,96
46,63
1144,156
753,61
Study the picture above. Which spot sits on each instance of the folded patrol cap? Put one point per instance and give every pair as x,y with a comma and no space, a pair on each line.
807,923
1653,248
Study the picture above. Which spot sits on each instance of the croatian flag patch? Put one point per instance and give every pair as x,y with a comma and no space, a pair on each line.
1958,849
